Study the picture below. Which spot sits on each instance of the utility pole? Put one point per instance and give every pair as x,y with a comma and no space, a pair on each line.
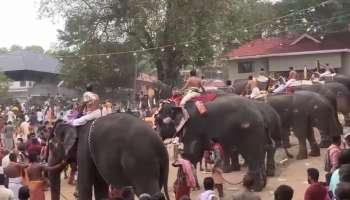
135,80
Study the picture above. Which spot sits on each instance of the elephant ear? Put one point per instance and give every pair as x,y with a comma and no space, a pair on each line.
70,136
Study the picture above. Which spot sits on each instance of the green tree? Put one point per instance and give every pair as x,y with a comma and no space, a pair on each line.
314,16
4,86
206,25
35,49
15,47
3,50
107,73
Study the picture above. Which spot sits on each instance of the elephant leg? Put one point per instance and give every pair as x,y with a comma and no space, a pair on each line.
55,185
86,170
255,159
227,163
325,141
101,188
234,156
315,150
270,160
285,137
302,154
301,131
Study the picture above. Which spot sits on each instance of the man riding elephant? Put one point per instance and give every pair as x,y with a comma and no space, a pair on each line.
194,88
91,106
252,86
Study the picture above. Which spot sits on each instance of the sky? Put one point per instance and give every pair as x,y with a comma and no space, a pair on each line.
21,25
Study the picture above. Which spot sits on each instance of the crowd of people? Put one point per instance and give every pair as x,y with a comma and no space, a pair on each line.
24,131
336,186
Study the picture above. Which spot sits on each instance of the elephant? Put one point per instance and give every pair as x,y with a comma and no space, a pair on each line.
118,149
337,93
302,111
274,137
340,78
339,96
231,119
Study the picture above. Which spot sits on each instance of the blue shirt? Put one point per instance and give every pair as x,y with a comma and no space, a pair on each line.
334,181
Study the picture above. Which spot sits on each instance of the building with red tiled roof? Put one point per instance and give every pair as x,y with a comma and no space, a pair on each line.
277,54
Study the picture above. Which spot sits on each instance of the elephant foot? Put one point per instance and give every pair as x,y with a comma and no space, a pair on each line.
315,153
259,185
325,144
302,156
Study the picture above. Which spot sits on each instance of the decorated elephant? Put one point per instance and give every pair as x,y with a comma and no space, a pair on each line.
118,150
302,111
231,119
339,96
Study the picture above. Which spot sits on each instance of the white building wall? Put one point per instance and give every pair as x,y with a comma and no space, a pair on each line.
20,86
232,68
299,62
345,64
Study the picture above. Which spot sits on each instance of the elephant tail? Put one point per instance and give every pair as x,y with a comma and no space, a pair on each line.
164,173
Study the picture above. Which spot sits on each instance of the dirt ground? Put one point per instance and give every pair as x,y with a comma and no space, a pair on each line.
291,172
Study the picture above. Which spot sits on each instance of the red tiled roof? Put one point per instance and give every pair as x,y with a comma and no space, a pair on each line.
279,45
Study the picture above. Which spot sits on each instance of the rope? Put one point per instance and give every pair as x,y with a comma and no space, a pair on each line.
230,183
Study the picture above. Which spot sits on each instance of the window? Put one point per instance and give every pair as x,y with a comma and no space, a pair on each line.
22,83
245,67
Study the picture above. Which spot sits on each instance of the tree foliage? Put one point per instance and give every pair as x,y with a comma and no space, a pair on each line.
106,73
200,30
4,86
320,17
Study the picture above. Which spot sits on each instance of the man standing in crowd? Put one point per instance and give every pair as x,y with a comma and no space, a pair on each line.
332,154
14,172
35,172
316,191
8,136
5,194
344,158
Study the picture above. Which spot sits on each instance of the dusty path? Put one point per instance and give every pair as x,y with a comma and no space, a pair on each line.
292,173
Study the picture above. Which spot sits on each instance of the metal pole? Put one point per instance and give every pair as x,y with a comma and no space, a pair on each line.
135,80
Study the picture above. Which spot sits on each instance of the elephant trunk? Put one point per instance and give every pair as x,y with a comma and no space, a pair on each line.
55,184
164,174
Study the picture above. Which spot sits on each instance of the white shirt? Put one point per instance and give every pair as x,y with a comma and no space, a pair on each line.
208,195
11,116
90,96
40,116
5,161
6,194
